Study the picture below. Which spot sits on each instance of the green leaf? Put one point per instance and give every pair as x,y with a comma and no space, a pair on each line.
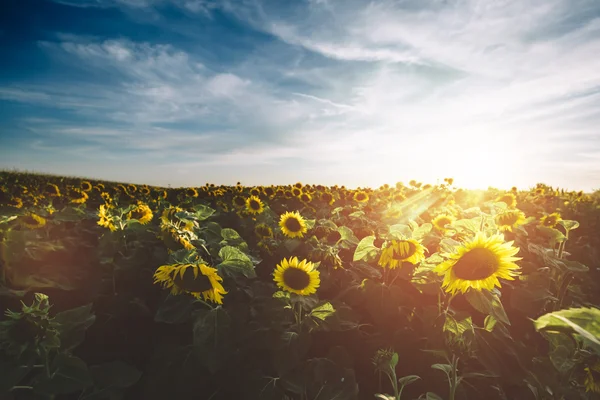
203,212
569,225
457,328
235,263
489,323
487,303
584,322
347,236
11,375
400,231
432,396
447,368
114,374
230,234
422,231
394,361
554,235
70,374
407,380
575,266
384,396
365,249
212,338
562,359
323,311
175,310
73,324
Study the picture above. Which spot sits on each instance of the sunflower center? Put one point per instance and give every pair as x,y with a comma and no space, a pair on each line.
137,214
296,278
442,222
477,264
293,225
404,250
550,221
255,205
189,283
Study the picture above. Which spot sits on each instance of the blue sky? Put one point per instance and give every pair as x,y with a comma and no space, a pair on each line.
184,92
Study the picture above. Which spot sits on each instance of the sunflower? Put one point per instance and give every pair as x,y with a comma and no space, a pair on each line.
52,190
131,188
509,220
399,251
199,280
263,231
33,221
85,186
551,220
298,277
106,197
255,191
15,202
78,196
441,221
478,264
191,192
327,197
101,186
104,219
292,224
142,213
592,379
239,201
361,196
145,190
269,191
306,197
296,192
254,205
298,185
509,199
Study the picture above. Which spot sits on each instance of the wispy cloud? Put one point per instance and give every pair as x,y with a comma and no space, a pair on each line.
353,91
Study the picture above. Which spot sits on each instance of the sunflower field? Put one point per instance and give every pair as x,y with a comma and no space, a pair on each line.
298,292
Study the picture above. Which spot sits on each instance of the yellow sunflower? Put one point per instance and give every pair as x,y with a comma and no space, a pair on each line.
52,190
191,192
296,192
441,221
78,196
327,197
509,220
263,231
239,201
399,251
306,197
254,205
550,220
85,186
298,277
292,224
509,199
592,379
478,264
33,221
105,219
15,202
142,213
361,196
199,280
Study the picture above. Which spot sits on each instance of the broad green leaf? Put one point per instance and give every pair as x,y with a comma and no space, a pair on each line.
489,323
69,374
323,311
384,396
365,249
432,396
447,368
422,231
347,235
73,324
569,225
230,234
400,231
562,359
554,235
235,263
487,303
584,322
457,328
203,212
407,380
575,266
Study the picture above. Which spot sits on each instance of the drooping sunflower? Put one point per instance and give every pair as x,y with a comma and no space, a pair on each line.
86,186
106,197
399,251
198,280
592,379
78,196
550,220
32,221
361,196
478,263
131,188
52,190
191,192
509,199
15,202
142,213
327,197
510,219
298,277
254,205
105,219
263,231
292,224
441,221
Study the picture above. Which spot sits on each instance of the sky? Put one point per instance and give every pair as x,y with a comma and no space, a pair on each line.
359,93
